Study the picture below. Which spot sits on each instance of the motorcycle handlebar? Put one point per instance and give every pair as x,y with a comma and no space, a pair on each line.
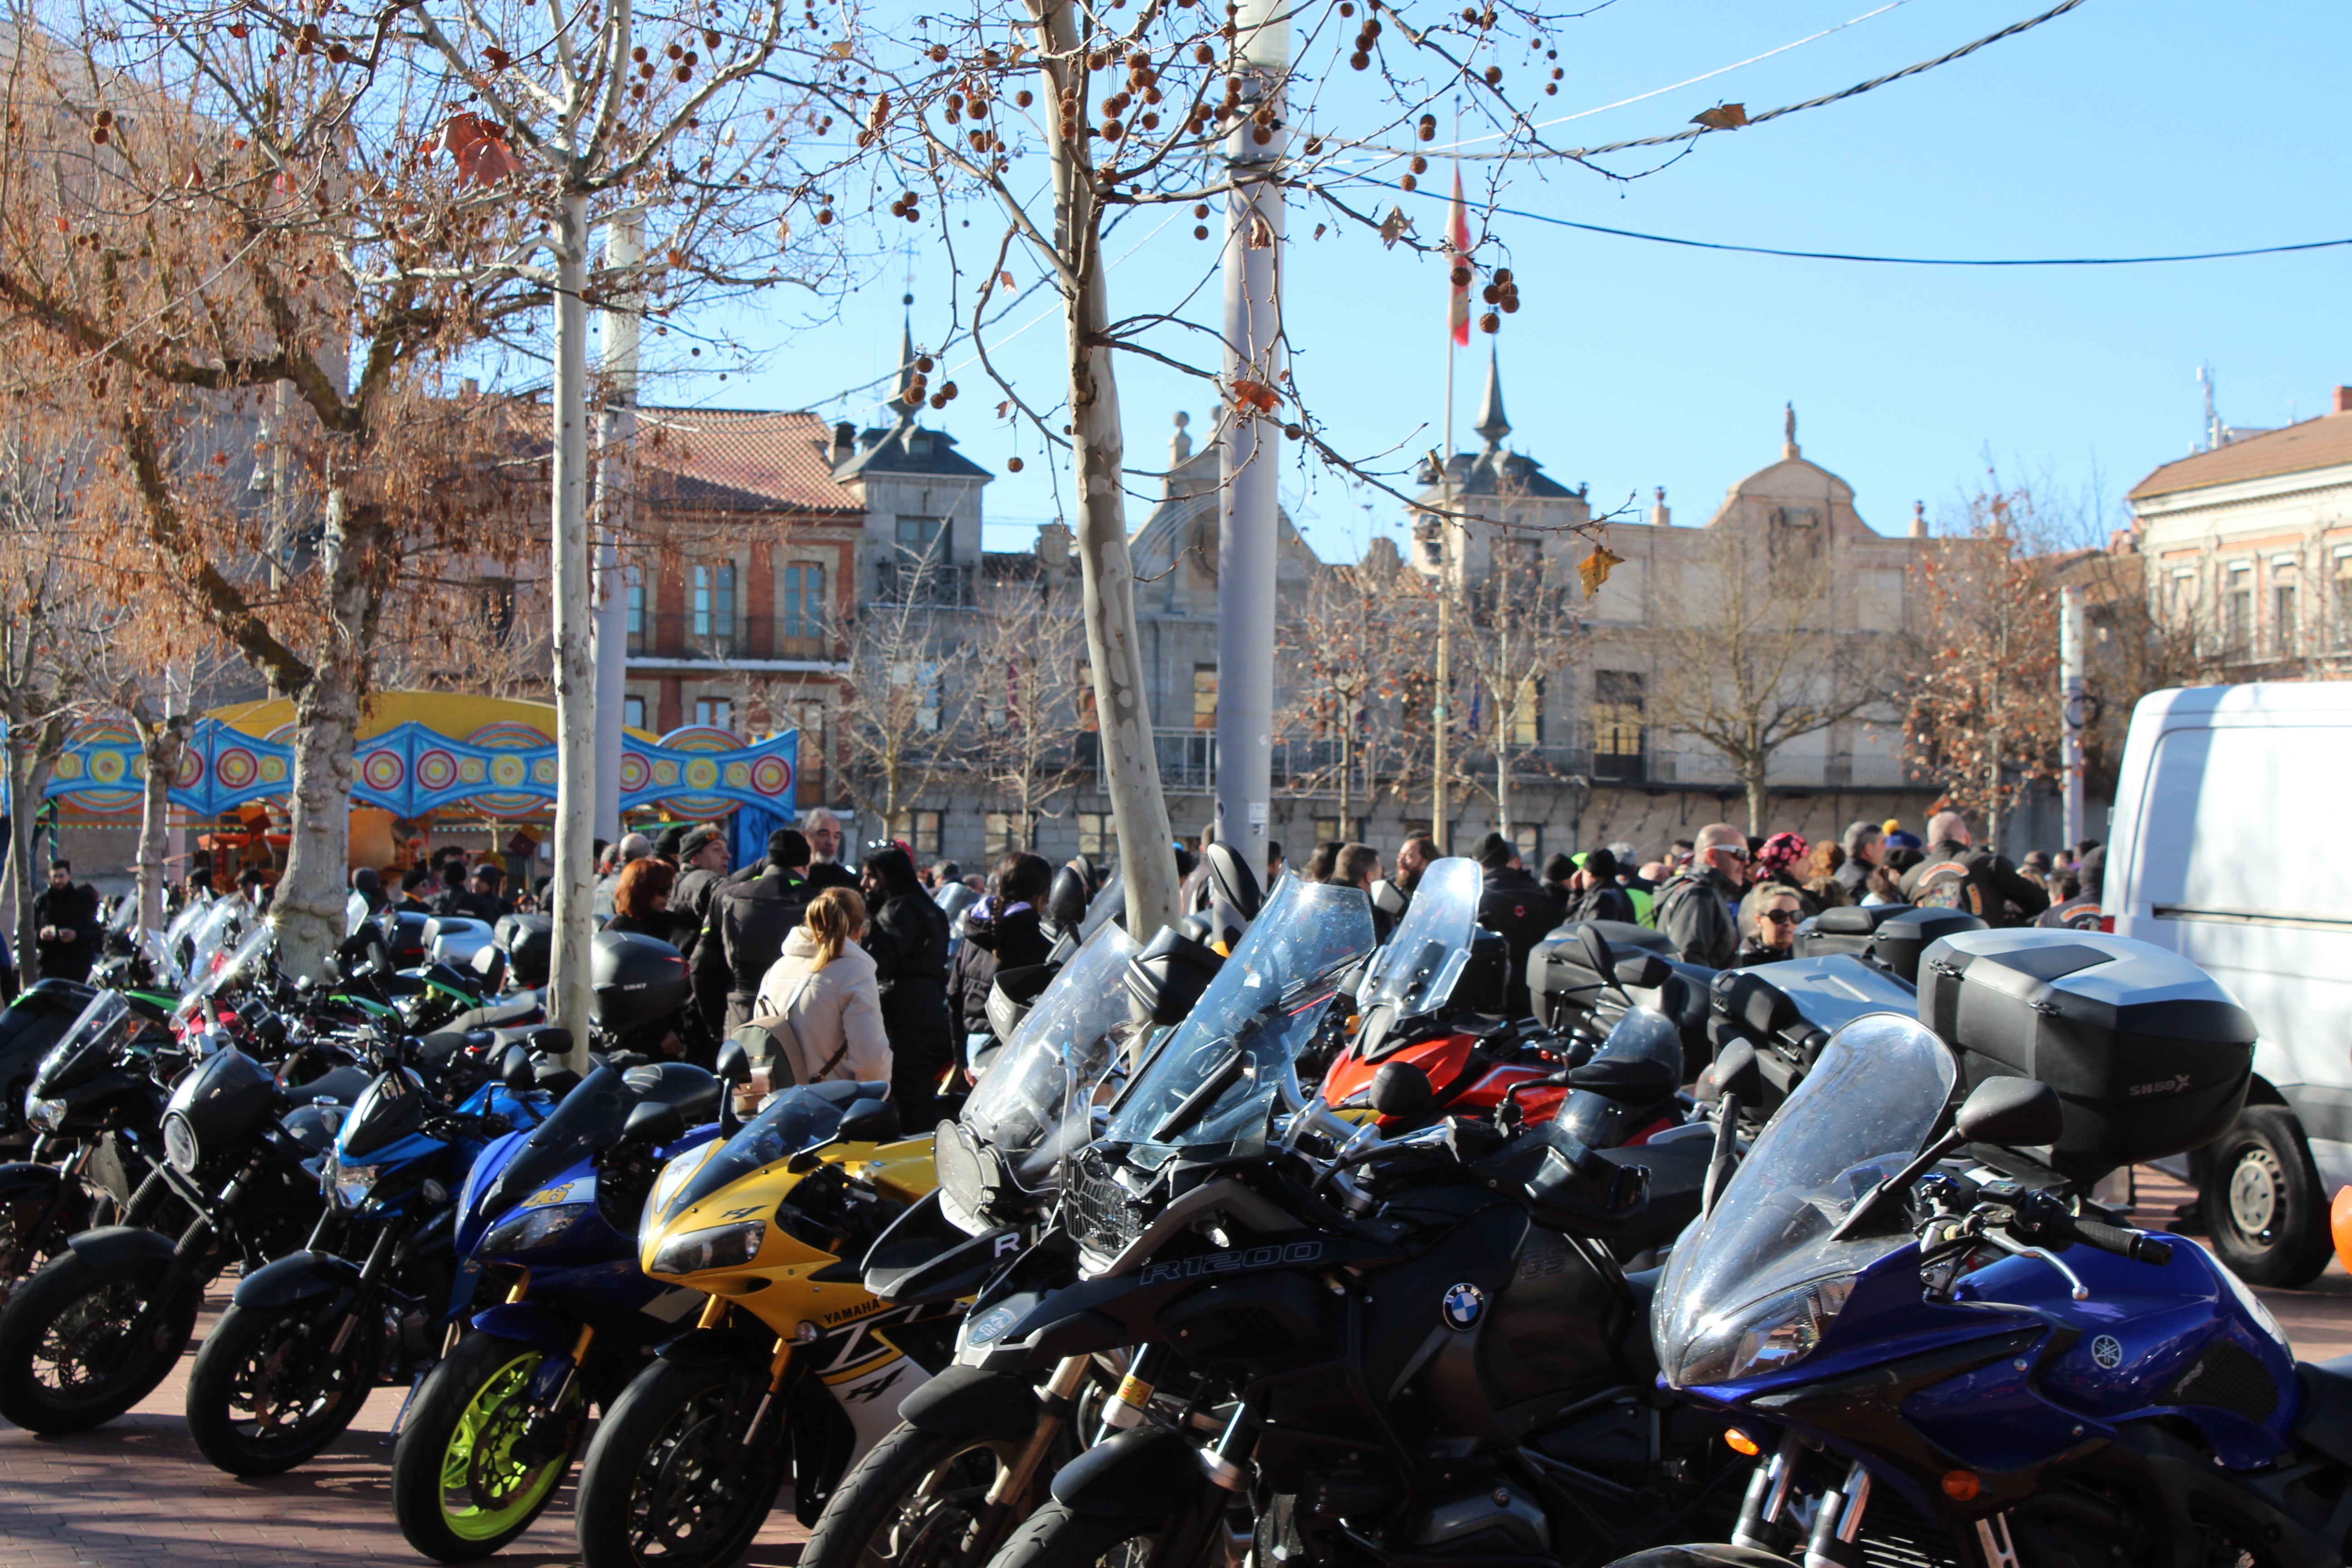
2135,1245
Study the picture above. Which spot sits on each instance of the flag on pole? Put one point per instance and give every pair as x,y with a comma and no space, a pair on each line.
1457,237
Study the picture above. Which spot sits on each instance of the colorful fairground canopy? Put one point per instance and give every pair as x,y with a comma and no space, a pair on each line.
431,752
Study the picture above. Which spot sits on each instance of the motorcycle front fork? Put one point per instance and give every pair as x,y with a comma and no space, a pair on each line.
1832,1538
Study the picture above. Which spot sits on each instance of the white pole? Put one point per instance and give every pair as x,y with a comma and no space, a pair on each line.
2071,687
569,996
624,249
1249,525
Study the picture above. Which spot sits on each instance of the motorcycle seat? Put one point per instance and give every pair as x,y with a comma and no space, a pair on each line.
2325,1422
344,1085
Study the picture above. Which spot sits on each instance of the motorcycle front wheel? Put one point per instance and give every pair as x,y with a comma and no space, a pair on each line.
911,1501
670,1481
270,1390
79,1347
1059,1537
476,1462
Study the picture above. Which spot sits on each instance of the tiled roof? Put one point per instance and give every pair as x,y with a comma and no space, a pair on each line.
2320,442
740,460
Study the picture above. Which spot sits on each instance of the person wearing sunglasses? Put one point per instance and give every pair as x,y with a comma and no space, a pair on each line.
1774,938
1698,908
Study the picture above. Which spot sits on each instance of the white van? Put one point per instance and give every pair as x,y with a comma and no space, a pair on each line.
2231,844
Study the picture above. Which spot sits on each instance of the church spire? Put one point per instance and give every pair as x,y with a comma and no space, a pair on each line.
904,405
1491,423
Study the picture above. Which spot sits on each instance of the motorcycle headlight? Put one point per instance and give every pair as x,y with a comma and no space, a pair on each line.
351,1183
674,1175
1763,1336
722,1247
47,1115
180,1143
533,1227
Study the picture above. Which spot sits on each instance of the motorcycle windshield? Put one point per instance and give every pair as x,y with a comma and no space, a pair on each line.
1417,970
239,967
1872,1102
796,1120
1033,1105
208,939
588,1119
88,1044
1213,1081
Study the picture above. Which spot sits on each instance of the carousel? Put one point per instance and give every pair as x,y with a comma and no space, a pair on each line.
431,767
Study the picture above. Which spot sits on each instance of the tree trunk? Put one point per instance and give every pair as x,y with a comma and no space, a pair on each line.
569,995
162,741
1760,797
306,910
28,775
1114,646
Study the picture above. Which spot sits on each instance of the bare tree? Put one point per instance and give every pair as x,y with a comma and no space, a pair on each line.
1513,630
907,726
1029,699
1748,659
1984,710
1348,653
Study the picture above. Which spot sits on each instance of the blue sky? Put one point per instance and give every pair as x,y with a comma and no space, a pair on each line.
2125,127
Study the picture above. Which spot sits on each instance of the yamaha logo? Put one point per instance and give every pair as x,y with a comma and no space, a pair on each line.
2108,1352
1464,1305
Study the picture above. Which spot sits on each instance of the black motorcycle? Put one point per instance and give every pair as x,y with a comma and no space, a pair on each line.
101,1324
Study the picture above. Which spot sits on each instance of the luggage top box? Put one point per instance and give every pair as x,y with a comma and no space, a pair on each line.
2149,1055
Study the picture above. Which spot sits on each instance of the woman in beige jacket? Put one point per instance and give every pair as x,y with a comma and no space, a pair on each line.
824,986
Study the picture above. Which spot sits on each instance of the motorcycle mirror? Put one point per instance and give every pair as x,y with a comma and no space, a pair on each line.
1737,1071
1646,970
515,1069
1598,956
551,1041
869,1121
1402,1091
733,1064
1065,901
653,1124
1231,881
2018,1113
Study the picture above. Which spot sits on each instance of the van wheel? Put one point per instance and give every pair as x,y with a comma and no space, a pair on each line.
2262,1202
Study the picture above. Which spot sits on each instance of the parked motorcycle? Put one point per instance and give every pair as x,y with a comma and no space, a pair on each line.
1941,1351
309,1335
793,1362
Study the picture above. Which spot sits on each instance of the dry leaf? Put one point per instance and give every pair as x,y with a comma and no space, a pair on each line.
1255,394
1393,227
1723,116
1595,568
840,47
1260,234
1007,278
1319,228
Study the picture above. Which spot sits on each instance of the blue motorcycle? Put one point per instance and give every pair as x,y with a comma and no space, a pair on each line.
561,1316
1940,1352
309,1335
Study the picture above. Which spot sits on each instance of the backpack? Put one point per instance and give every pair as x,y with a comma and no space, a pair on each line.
771,1042
1946,885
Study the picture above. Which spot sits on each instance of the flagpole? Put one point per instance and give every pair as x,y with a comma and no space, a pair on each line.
1438,821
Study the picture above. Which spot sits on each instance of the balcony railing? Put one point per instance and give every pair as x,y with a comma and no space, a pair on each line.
723,637
922,583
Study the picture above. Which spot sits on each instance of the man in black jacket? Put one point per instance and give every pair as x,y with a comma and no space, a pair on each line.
1598,896
703,852
907,936
1002,930
65,921
1515,904
1864,843
1694,907
745,931
1956,876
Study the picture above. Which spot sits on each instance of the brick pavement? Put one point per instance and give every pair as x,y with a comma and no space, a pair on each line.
135,1494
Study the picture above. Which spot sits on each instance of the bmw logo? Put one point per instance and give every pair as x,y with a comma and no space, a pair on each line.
2108,1352
1463,1305
990,1324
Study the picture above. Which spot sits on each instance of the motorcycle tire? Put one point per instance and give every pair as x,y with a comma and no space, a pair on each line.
662,1486
908,1503
33,1231
66,1360
269,1390
2264,1207
459,1490
1059,1537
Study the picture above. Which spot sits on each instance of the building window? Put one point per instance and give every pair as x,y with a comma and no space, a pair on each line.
925,827
633,712
1204,697
2284,627
2238,611
2344,598
633,579
1007,831
714,602
1617,718
804,601
1528,838
718,712
1326,831
1526,713
498,610
2184,598
920,538
1096,837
